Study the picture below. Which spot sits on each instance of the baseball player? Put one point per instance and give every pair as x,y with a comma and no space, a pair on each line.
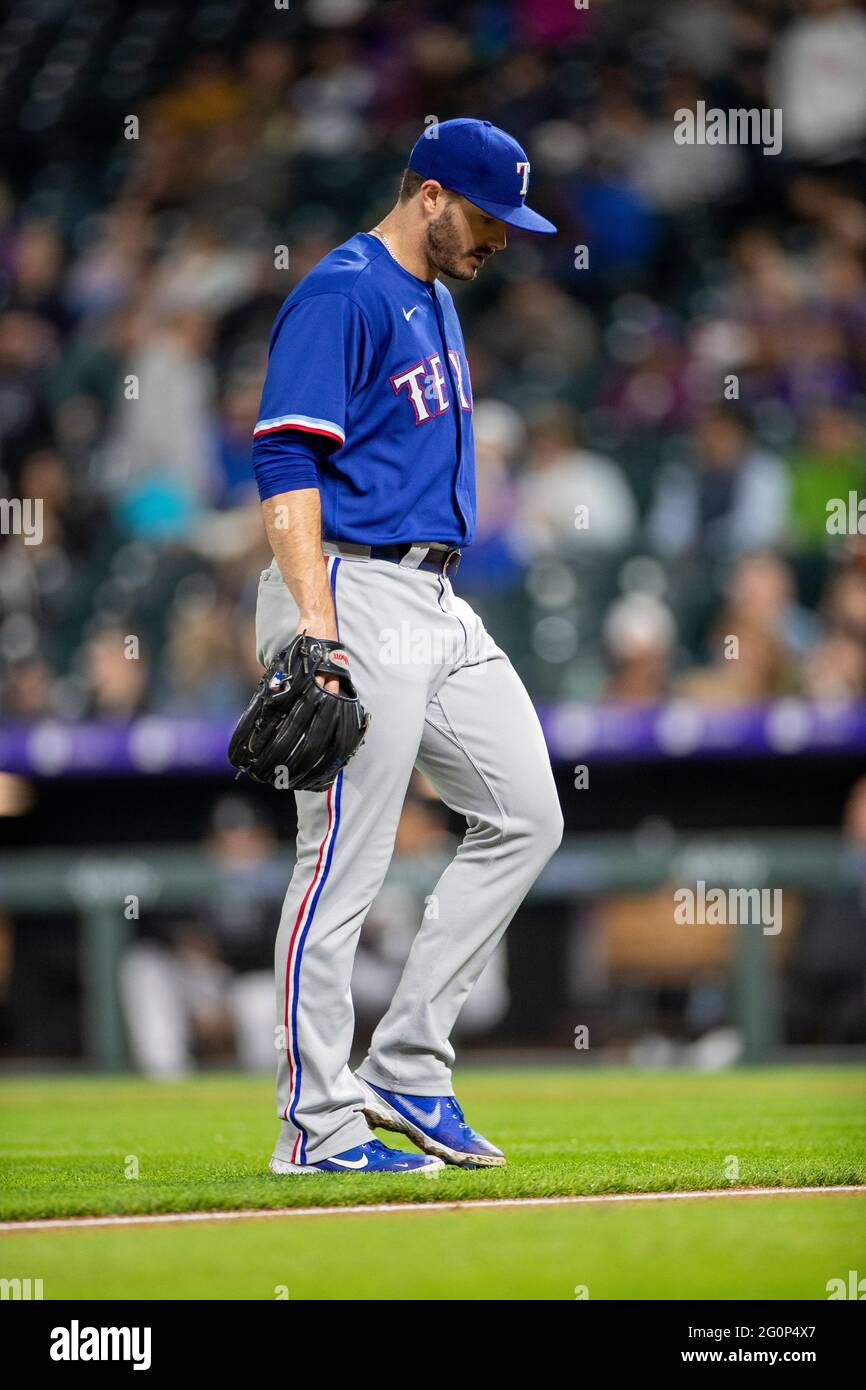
364,460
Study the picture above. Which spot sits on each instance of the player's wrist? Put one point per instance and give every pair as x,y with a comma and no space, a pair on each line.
318,623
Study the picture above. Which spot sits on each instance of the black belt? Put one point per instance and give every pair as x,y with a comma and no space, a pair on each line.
438,558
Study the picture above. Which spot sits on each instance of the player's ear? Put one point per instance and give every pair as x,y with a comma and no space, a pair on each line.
433,196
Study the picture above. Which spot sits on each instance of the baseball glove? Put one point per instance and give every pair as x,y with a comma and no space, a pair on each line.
293,733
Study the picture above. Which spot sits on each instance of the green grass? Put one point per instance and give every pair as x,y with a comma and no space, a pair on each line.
203,1144
749,1248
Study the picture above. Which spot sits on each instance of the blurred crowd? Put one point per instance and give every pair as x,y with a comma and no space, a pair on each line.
660,422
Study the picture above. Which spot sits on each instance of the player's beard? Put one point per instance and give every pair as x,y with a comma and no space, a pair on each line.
445,247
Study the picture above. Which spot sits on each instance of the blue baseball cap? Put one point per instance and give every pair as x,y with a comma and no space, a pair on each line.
483,164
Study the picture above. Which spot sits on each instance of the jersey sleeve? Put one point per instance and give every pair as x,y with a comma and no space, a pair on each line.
319,351
287,461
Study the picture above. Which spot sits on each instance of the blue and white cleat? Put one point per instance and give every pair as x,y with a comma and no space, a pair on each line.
434,1123
373,1157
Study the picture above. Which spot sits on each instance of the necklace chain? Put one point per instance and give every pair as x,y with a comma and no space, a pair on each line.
377,231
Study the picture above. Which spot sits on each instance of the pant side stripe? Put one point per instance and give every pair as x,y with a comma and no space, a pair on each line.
299,934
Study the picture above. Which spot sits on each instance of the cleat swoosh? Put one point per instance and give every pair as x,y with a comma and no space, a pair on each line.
430,1118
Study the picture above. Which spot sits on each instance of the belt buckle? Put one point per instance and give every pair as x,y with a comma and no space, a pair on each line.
453,554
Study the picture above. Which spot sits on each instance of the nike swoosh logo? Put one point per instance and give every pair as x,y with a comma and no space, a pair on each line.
352,1162
425,1117
407,313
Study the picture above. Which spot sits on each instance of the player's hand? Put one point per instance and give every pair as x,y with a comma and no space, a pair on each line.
321,625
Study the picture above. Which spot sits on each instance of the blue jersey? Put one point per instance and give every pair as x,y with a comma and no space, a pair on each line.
368,361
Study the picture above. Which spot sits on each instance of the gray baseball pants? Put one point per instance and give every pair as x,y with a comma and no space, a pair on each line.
445,699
